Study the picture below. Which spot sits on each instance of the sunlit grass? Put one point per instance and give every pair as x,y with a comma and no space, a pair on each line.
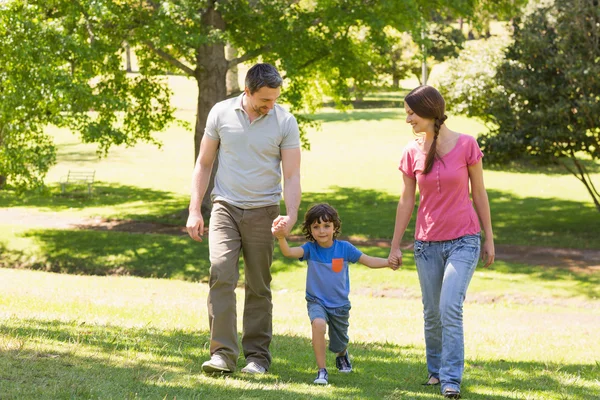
65,336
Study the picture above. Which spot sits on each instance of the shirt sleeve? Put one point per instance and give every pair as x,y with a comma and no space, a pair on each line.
352,253
407,163
473,153
291,133
212,124
306,247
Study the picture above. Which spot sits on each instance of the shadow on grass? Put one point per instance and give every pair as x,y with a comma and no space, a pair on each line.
528,167
157,205
56,359
112,253
351,116
366,214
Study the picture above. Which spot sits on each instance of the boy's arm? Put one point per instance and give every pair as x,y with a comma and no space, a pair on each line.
375,262
286,250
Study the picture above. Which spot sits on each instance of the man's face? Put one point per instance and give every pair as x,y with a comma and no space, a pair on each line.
263,100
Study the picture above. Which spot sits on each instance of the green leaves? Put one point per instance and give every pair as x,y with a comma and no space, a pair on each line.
62,65
542,102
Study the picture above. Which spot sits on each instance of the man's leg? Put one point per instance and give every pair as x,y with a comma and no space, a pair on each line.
257,247
225,245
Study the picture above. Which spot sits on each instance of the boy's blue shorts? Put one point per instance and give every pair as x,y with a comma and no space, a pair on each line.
337,321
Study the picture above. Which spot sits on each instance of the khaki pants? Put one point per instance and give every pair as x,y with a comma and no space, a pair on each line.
233,230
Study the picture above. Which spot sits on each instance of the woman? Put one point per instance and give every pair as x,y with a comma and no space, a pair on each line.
447,234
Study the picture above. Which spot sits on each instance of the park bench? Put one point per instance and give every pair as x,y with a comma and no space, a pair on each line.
78,178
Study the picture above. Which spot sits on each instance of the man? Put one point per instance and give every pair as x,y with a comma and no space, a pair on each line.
252,136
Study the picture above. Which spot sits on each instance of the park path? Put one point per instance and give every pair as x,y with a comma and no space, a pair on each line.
575,259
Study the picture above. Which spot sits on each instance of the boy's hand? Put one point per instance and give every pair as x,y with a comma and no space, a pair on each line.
278,229
395,258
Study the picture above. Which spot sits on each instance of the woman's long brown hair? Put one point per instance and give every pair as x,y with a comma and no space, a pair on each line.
427,102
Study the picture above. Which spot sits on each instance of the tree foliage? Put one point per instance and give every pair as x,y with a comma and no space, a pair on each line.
544,100
57,69
323,47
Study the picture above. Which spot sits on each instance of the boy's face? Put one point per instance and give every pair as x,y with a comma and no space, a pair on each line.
322,231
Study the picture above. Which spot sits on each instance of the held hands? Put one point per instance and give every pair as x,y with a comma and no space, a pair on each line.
282,225
195,226
393,263
395,259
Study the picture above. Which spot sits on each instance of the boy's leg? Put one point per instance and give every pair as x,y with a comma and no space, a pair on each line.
318,341
318,321
338,328
338,337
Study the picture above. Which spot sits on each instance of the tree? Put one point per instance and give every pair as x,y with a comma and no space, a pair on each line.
57,69
323,47
544,102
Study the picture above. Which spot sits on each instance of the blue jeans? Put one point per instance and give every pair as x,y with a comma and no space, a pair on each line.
445,270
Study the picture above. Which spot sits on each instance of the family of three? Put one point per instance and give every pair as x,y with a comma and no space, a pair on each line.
257,146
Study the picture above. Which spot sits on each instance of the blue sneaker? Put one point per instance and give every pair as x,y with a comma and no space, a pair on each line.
343,363
322,377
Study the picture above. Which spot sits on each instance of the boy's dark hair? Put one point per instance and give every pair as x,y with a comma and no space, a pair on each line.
321,212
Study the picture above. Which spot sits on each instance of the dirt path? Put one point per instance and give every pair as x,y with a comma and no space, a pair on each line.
574,259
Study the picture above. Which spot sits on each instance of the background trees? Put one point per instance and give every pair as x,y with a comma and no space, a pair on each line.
323,47
543,103
57,68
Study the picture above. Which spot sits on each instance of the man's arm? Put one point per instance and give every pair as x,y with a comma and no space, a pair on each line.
200,179
292,192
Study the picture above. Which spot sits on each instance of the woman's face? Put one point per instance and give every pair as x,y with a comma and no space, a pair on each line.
418,124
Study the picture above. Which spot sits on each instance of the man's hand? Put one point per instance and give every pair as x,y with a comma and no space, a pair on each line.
283,223
278,228
195,226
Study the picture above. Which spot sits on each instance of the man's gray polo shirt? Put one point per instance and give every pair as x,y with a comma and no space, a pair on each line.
249,171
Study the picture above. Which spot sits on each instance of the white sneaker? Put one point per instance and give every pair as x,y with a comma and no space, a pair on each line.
254,368
216,364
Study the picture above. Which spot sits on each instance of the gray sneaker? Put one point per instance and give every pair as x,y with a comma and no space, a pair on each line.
254,368
322,377
343,363
216,364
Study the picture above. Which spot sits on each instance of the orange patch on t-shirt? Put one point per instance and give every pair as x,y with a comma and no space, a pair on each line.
337,264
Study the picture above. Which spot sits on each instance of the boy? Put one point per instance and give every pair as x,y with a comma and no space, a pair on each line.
327,281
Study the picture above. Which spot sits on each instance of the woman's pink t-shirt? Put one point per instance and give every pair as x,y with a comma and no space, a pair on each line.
445,208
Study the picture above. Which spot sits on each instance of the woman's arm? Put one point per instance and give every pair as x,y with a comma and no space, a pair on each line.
404,211
482,207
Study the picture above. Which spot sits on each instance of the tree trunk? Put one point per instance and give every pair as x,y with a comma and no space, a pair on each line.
212,88
128,57
233,85
2,181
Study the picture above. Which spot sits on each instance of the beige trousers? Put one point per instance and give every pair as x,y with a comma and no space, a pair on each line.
233,231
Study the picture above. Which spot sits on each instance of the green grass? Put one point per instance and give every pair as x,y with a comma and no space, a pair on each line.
65,337
531,331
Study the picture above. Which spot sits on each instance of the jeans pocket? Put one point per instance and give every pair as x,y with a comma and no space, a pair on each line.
470,244
343,311
419,248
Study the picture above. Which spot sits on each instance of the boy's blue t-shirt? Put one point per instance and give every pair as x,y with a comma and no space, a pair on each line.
327,277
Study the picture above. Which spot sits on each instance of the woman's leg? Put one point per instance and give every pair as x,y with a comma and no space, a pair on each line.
462,257
430,267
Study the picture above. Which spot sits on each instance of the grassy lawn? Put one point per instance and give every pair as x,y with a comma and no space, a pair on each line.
66,336
111,326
